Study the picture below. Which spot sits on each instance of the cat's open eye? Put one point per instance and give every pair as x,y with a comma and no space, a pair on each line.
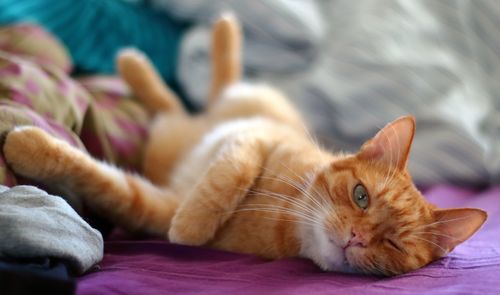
360,196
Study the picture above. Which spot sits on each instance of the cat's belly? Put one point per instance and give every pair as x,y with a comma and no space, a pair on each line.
192,167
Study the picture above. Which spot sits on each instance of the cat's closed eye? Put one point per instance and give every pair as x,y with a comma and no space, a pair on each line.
394,245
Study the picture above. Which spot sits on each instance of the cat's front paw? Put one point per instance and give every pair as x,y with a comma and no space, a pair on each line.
27,150
192,229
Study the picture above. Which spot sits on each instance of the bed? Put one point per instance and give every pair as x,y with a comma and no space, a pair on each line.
456,142
157,267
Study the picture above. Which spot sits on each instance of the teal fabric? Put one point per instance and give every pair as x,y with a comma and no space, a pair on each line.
94,30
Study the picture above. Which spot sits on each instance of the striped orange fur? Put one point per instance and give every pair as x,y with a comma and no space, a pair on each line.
246,176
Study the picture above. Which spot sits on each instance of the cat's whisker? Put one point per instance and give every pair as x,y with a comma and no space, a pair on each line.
315,196
294,202
293,172
331,210
291,220
306,211
313,139
297,187
297,202
386,178
276,209
399,154
430,242
336,216
300,186
394,168
283,209
441,222
285,179
436,234
305,181
255,207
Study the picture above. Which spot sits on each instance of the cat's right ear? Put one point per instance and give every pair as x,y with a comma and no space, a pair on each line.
391,145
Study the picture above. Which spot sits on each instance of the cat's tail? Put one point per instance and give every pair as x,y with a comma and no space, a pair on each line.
135,68
225,54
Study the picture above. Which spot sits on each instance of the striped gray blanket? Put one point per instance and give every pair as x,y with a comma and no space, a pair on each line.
353,66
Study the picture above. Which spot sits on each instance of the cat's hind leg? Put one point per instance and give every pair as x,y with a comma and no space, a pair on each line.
229,98
126,199
225,55
136,69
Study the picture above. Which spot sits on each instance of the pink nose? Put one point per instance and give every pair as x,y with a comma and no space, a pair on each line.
356,240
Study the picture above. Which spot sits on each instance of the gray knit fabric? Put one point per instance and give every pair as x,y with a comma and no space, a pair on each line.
36,224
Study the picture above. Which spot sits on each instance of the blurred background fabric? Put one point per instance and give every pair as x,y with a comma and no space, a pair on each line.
368,62
350,66
94,30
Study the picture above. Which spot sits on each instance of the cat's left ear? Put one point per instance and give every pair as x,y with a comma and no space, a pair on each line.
453,226
392,144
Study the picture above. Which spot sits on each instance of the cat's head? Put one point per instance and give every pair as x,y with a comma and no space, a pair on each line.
374,219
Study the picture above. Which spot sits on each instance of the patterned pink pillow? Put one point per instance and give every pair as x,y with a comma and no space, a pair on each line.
34,43
35,89
115,128
43,96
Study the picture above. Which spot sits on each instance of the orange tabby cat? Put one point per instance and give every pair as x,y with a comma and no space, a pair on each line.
245,176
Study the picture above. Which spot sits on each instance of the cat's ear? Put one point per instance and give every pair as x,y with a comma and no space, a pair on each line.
392,144
453,226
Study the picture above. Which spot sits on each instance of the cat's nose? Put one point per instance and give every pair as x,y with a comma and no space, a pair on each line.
356,240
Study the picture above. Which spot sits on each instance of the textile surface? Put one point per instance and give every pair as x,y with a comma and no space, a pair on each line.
157,267
361,64
96,113
34,224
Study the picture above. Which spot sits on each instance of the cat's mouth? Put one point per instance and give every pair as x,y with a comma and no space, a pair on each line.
346,261
349,254
336,258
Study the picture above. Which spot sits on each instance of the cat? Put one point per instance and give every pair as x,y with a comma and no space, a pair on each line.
246,176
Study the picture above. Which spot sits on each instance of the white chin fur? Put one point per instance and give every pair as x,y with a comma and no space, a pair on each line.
317,247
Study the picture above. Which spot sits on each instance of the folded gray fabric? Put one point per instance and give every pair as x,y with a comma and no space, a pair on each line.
36,224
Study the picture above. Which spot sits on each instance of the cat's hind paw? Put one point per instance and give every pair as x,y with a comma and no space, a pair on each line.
28,150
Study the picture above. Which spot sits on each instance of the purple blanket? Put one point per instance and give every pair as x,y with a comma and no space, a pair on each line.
156,267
